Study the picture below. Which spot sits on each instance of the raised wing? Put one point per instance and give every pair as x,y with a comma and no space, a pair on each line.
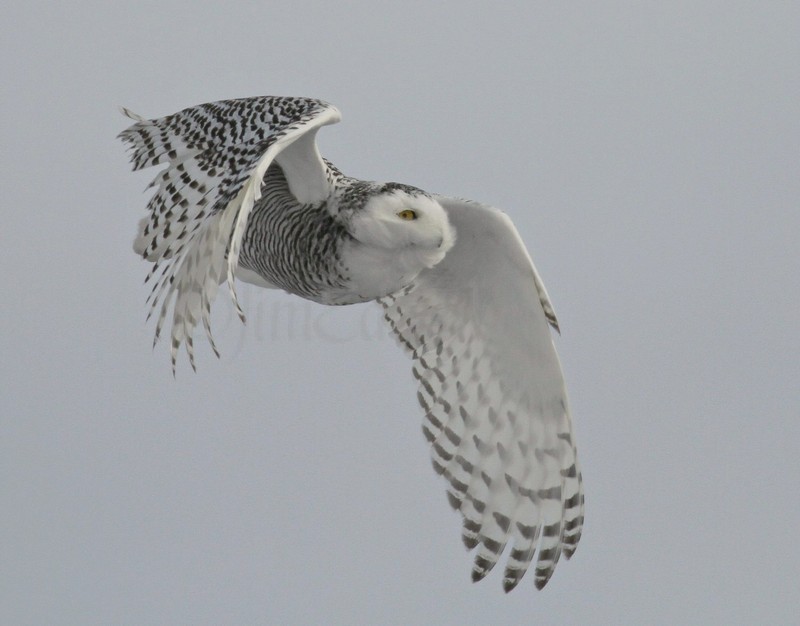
216,156
490,383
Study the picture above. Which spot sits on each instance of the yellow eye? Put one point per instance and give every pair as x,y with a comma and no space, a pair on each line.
407,214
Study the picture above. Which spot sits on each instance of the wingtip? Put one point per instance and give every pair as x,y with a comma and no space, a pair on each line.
130,114
510,583
543,577
478,575
481,568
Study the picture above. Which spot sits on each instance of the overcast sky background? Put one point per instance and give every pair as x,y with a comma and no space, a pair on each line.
649,154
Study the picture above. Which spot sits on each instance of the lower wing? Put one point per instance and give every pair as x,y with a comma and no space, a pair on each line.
490,383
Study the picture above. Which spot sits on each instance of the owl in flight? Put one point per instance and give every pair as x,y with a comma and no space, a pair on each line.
246,194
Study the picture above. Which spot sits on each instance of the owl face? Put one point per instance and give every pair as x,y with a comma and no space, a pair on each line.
401,220
396,234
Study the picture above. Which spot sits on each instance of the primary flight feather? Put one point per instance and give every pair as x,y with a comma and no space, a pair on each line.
246,194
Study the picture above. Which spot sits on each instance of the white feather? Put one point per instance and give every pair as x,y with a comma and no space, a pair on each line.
491,384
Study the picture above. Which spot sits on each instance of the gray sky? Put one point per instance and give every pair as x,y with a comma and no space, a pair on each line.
649,155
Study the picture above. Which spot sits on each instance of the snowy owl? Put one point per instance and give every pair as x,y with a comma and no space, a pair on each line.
246,194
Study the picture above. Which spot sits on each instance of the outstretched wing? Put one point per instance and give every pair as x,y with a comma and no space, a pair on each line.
490,383
216,156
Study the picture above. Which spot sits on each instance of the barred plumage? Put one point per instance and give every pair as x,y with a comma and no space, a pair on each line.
217,155
246,191
295,247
